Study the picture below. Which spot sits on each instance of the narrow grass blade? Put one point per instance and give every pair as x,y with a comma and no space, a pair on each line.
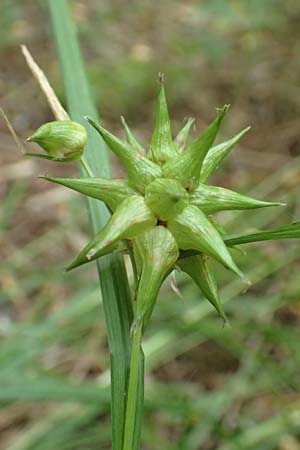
114,284
291,231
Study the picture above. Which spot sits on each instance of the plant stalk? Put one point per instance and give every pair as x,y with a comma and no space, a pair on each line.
113,280
133,388
86,167
118,305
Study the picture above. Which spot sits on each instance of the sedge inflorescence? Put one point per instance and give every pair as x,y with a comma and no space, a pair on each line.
161,212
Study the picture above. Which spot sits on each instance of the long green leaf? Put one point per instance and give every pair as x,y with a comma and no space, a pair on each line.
113,280
291,231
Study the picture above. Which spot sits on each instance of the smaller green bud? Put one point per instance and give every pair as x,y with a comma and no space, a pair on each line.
166,198
62,140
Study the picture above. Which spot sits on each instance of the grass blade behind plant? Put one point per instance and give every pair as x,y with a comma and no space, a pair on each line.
291,231
113,280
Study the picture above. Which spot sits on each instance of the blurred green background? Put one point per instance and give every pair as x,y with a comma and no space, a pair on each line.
206,387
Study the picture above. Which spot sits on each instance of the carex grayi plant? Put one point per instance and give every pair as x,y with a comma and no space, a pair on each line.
161,213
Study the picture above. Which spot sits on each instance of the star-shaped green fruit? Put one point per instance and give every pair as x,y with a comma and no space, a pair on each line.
161,209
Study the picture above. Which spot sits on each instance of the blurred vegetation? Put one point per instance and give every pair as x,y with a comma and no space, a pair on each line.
207,388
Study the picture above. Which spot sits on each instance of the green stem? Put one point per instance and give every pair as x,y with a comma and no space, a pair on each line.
112,275
133,385
135,400
86,167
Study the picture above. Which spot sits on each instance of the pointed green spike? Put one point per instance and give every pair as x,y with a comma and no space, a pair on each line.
156,251
111,192
130,218
162,147
181,138
216,155
213,198
193,231
140,170
135,145
198,268
186,167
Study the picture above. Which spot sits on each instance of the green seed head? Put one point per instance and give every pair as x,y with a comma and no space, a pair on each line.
161,210
62,140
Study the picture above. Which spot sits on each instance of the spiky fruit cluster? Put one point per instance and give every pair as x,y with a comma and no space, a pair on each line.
161,209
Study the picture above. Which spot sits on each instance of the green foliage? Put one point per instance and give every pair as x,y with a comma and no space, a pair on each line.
291,231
